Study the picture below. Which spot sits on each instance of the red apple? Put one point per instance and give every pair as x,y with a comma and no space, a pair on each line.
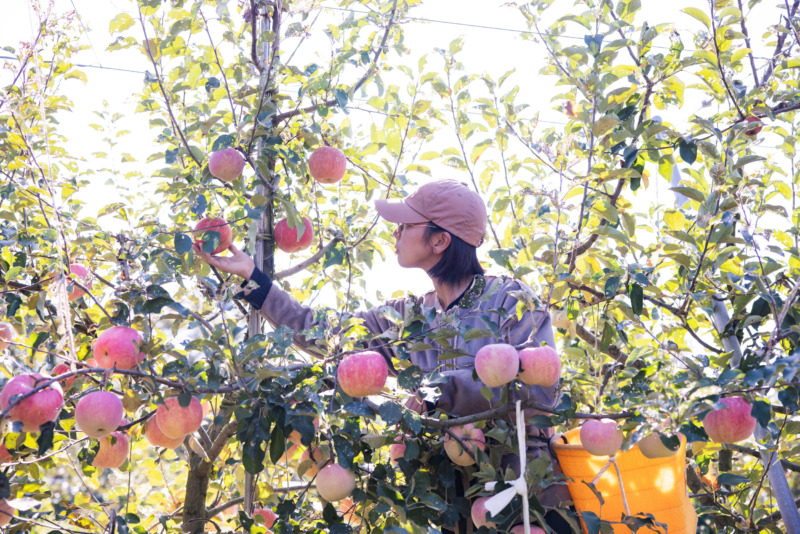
471,436
7,334
756,129
652,447
112,455
227,165
6,511
119,347
157,438
60,369
732,424
83,275
98,414
601,437
397,451
497,364
36,410
362,374
347,507
541,366
267,515
286,237
175,422
320,456
5,456
295,437
327,164
334,483
216,225
520,529
480,515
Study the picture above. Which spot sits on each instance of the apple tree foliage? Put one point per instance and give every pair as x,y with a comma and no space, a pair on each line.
663,241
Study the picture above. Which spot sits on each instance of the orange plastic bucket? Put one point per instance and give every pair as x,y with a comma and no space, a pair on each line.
652,486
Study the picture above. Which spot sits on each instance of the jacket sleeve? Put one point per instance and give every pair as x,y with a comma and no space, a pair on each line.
279,308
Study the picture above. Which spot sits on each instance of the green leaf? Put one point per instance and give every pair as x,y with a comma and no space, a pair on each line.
729,479
183,243
334,255
121,22
699,15
211,239
476,333
762,411
222,142
688,151
359,408
611,287
277,444
391,412
636,295
604,124
690,192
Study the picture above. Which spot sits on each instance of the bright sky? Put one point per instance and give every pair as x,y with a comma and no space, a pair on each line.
489,47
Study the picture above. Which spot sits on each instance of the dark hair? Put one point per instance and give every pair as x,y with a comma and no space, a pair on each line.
459,261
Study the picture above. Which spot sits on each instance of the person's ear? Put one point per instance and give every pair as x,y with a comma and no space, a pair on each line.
440,242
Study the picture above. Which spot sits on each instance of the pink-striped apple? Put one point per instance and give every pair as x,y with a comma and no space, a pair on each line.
541,366
652,447
82,274
471,436
214,224
60,369
309,469
334,483
327,164
397,450
362,374
267,515
601,437
480,515
286,237
732,423
113,450
120,347
227,164
175,421
7,334
36,410
6,511
98,414
497,364
157,438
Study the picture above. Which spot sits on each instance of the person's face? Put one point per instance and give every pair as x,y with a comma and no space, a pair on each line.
413,249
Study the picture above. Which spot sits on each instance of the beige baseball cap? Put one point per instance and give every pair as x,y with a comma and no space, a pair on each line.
450,204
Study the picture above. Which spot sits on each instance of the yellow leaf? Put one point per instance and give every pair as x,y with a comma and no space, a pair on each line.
603,124
74,73
699,14
675,220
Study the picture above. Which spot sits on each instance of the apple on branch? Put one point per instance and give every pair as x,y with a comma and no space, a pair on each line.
83,274
541,366
334,483
363,374
471,436
497,364
6,512
327,164
36,410
176,421
157,438
267,515
7,334
286,236
113,450
755,130
227,164
652,447
480,515
119,347
218,225
98,414
732,423
601,437
61,369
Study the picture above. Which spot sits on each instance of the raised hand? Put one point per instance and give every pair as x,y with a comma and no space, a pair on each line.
237,263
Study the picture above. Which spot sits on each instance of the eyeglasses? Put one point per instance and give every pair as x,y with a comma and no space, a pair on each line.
404,226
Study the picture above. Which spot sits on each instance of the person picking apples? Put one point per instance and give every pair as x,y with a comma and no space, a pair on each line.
438,229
